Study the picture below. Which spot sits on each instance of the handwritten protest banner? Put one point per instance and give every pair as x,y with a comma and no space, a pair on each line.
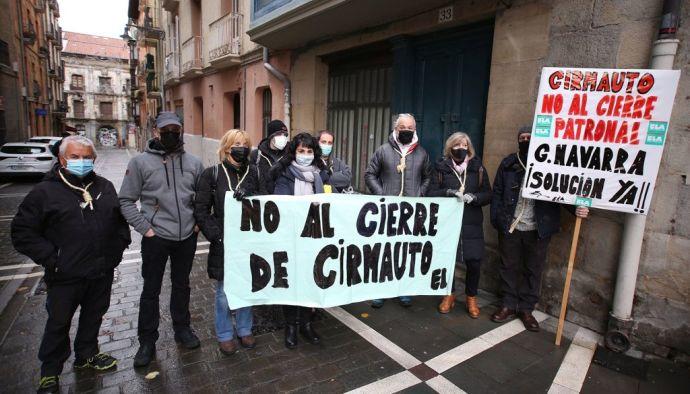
332,249
598,136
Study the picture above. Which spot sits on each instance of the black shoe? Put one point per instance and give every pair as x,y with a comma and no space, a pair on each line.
99,362
187,338
48,384
145,354
377,304
309,334
290,336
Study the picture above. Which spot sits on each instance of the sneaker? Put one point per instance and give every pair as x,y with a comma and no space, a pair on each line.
376,304
145,354
48,384
405,301
99,362
187,338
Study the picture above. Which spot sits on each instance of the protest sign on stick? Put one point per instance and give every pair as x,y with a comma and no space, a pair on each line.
597,140
333,249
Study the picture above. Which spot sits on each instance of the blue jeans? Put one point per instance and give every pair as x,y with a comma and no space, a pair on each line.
225,330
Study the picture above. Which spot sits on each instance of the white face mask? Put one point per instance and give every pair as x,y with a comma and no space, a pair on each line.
304,160
280,141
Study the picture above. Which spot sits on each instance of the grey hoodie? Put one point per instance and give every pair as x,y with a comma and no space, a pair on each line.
165,184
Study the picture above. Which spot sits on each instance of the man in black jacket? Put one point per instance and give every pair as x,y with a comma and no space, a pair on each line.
525,227
71,224
270,150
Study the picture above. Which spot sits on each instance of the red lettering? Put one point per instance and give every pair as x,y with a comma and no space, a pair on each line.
649,106
601,106
622,136
588,130
610,134
560,124
645,84
599,132
631,77
637,108
590,82
616,82
604,84
555,80
569,132
551,103
634,134
579,122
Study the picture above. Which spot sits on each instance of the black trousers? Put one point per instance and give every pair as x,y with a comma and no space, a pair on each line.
93,296
472,270
297,314
154,254
523,255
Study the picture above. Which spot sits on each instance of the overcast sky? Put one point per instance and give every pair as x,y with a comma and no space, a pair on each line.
98,17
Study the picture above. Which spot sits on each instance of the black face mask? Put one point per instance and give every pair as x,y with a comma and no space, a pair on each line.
170,140
523,148
240,154
459,154
405,136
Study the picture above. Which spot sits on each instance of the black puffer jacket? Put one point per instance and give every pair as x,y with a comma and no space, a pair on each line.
264,158
471,245
383,179
209,208
71,242
506,192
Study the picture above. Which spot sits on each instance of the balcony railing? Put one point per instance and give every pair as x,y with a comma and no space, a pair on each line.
225,37
172,67
192,60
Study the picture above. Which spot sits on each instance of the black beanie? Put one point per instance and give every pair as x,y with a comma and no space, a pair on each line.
275,126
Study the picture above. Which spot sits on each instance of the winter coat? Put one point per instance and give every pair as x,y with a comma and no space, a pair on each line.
165,184
471,245
506,192
340,174
71,242
264,158
285,182
383,179
209,208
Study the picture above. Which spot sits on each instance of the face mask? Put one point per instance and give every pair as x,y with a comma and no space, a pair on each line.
459,154
326,149
80,167
523,148
170,140
304,160
405,136
239,154
280,141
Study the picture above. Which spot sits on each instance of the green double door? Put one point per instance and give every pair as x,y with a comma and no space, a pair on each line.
443,80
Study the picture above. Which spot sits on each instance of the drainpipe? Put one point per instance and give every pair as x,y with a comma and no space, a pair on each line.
286,85
620,320
24,85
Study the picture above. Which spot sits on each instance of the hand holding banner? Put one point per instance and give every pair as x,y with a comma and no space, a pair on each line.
330,249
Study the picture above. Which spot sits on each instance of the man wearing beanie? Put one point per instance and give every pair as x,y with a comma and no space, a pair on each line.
163,179
270,150
525,227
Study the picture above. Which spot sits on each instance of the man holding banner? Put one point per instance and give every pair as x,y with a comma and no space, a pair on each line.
525,227
399,167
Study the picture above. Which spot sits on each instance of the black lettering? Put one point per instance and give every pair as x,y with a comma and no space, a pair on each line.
427,253
392,218
419,220
386,272
312,225
433,218
279,271
354,260
406,213
369,229
324,282
371,262
414,248
271,216
251,214
261,271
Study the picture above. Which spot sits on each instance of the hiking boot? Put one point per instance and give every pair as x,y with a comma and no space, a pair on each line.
145,354
187,338
248,342
472,307
447,304
99,362
228,348
48,384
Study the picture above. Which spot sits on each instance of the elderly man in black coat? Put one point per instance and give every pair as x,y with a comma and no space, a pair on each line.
71,224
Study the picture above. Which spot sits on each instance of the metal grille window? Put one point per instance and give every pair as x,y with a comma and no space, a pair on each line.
359,114
267,111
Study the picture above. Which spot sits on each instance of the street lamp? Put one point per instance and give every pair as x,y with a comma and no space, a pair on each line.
130,37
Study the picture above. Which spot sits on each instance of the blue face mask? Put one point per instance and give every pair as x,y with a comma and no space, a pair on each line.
326,149
304,160
80,167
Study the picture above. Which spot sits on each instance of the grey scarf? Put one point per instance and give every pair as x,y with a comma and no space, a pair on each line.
305,177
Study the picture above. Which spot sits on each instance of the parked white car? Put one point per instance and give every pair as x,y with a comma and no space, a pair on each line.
25,158
45,140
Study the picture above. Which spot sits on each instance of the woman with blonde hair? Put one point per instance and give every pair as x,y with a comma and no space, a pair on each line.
234,174
460,174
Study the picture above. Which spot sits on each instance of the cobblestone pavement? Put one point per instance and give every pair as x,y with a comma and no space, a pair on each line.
413,350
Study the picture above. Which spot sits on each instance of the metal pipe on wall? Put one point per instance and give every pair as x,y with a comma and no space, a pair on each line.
286,85
621,321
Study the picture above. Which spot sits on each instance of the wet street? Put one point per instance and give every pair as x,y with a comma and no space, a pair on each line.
392,349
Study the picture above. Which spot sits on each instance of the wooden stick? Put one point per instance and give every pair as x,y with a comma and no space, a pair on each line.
568,277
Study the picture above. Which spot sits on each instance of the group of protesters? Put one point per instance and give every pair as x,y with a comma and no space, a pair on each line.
76,226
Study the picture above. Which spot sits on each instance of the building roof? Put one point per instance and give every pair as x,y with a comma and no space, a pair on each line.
86,44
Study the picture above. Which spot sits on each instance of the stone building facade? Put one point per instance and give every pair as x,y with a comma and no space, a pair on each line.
475,66
97,87
31,73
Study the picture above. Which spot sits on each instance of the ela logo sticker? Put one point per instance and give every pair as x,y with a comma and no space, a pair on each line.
543,126
656,133
583,202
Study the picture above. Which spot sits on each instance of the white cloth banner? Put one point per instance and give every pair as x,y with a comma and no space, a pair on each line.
598,136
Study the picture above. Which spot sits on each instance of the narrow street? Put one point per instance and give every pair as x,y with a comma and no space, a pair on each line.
392,349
